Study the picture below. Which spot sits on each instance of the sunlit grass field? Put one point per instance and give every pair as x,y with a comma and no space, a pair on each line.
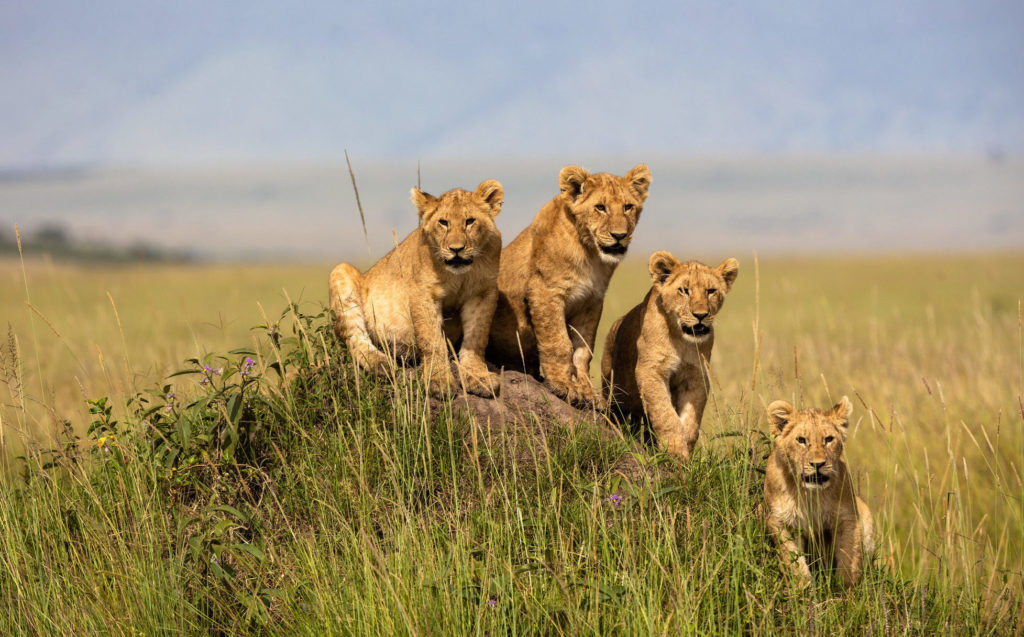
928,349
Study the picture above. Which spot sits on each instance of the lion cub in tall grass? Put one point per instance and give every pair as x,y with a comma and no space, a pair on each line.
811,504
655,356
439,285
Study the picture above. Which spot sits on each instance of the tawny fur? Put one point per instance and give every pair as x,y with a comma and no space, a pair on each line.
654,363
437,287
554,276
812,508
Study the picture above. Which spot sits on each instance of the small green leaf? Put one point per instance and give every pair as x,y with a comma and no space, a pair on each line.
235,408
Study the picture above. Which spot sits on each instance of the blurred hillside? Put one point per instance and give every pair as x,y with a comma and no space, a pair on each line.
697,206
120,82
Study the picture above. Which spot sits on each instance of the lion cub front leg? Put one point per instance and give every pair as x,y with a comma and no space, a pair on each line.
690,403
657,402
553,345
848,552
432,346
476,318
583,335
791,552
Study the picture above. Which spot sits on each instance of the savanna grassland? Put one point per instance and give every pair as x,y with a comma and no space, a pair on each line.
232,500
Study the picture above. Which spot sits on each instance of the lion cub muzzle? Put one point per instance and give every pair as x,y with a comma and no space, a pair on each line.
696,332
458,261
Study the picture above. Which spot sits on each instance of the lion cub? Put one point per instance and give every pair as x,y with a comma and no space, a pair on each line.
654,356
438,285
811,504
554,276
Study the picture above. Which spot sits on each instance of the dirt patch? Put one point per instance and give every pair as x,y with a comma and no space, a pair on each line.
527,413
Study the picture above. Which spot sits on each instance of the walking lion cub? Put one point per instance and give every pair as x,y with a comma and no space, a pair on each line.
811,504
439,285
655,356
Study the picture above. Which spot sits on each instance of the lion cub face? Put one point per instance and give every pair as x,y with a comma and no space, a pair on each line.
459,223
605,207
691,293
810,442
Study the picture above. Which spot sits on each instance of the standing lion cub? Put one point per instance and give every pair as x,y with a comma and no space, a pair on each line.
554,276
811,503
438,285
655,356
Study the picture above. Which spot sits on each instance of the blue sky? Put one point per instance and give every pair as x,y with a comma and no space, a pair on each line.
182,83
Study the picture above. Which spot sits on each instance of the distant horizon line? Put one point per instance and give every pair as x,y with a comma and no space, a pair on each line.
75,169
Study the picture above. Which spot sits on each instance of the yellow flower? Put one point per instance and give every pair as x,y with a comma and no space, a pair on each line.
102,441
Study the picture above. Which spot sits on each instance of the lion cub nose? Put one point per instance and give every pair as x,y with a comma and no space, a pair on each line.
817,465
700,316
457,249
619,236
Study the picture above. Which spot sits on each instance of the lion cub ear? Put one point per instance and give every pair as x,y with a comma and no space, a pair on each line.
779,414
571,180
639,180
729,270
422,201
842,411
492,194
662,264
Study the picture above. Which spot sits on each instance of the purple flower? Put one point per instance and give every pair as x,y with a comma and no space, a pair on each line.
492,602
247,366
615,499
209,373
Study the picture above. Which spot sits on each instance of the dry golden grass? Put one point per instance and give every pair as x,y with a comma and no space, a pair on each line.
928,348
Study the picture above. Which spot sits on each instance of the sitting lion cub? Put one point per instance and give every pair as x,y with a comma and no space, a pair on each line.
437,285
654,356
554,276
811,504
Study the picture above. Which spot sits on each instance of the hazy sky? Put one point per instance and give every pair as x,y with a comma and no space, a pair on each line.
197,82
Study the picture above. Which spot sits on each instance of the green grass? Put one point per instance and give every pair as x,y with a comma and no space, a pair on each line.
329,503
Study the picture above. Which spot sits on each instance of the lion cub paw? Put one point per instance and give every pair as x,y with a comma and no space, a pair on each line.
441,382
578,394
485,385
583,396
374,362
678,448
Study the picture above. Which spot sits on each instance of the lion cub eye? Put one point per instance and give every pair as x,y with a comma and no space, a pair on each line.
801,440
470,221
443,222
712,290
627,207
829,439
600,207
685,291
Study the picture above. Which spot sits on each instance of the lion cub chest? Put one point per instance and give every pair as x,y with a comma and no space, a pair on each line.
585,286
682,365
